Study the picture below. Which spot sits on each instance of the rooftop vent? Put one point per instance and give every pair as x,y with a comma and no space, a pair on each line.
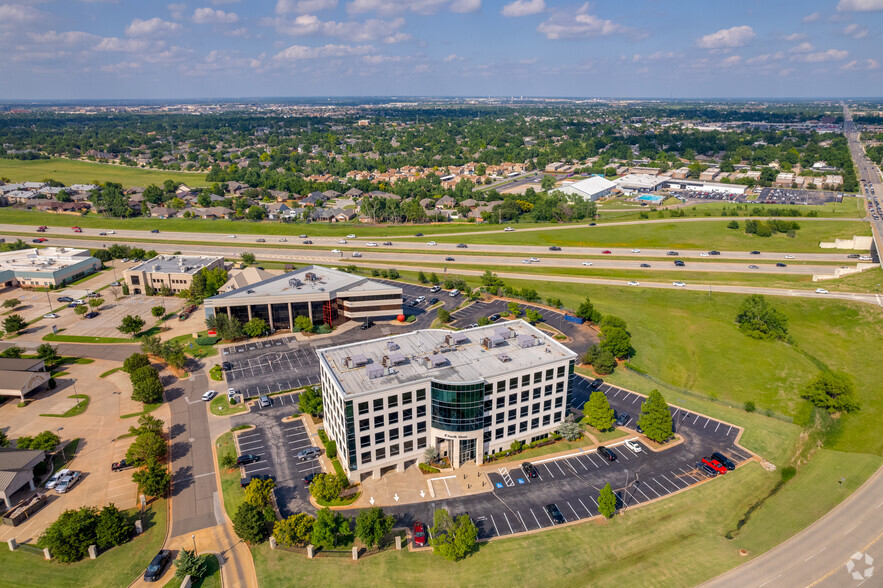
392,345
526,340
397,358
374,371
504,358
456,338
436,360
504,332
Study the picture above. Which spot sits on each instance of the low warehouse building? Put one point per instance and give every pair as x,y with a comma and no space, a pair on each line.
50,266
591,188
17,471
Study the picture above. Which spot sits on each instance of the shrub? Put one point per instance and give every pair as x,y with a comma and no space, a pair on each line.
249,523
750,406
788,472
331,449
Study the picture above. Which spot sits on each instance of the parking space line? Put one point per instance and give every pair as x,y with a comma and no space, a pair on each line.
250,472
670,482
623,454
574,511
550,517
548,470
691,476
559,468
511,532
539,526
728,430
495,525
642,492
521,518
718,425
591,461
593,500
651,488
579,461
696,419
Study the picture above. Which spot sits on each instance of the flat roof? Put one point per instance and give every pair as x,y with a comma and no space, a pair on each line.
641,180
306,280
428,355
175,264
46,259
590,185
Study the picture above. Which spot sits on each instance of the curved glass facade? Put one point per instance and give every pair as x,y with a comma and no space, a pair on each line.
458,407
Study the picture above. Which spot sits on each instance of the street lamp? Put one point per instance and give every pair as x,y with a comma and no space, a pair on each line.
194,545
77,396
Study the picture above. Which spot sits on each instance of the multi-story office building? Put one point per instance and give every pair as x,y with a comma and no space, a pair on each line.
468,394
175,272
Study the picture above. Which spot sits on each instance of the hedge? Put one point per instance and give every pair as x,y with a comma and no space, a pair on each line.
207,340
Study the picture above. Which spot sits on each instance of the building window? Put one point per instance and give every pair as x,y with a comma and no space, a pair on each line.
534,423
409,446
366,457
513,398
513,383
500,417
393,450
421,411
378,404
488,405
501,402
559,402
488,421
421,427
365,441
393,418
378,421
524,410
406,398
525,395
407,414
408,430
536,393
421,395
392,401
537,377
512,414
363,408
535,409
525,380
557,416
510,430
393,434
498,434
549,373
501,385
559,387
364,424
421,442
547,419
522,426
560,372
487,436
547,405
379,437
380,453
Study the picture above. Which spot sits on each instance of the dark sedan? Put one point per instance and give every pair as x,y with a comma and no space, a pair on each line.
529,470
157,565
555,514
246,459
606,453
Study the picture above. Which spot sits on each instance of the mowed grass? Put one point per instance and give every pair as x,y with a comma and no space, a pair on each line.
851,207
678,541
232,492
691,234
86,172
119,566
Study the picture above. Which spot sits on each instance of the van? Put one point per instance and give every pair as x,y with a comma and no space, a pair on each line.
454,293
435,289
865,258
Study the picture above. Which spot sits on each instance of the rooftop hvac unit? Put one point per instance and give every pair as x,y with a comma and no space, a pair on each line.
526,341
456,338
504,332
436,360
310,277
504,358
391,345
397,358
375,371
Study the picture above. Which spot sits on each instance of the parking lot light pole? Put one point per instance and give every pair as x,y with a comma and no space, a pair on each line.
194,545
77,396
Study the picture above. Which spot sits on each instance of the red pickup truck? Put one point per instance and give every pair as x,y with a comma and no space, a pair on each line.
77,229
120,465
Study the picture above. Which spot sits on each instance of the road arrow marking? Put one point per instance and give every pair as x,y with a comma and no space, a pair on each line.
396,497
372,501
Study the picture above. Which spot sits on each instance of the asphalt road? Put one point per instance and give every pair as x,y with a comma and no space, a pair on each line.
868,172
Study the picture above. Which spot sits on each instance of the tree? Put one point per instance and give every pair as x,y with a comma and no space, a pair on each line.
607,501
303,324
421,277
135,362
48,353
372,526
131,325
759,319
81,310
11,303
14,323
70,536
310,401
249,523
13,351
616,341
256,327
331,449
832,391
147,423
604,363
453,539
433,278
153,481
570,429
443,315
598,412
587,312
258,492
295,530
190,564
655,418
157,311
113,528
147,447
733,224
611,321
327,527
45,441
148,391
4,440
326,487
547,183
96,302
514,309
247,258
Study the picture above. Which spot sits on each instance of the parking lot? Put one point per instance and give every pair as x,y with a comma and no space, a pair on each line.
766,195
277,444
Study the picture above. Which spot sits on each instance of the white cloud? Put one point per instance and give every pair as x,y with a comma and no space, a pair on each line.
860,5
240,32
395,7
731,61
812,17
804,47
855,31
821,56
398,38
302,52
211,16
863,64
122,45
121,67
565,26
795,37
464,6
304,6
524,8
452,57
728,38
12,15
177,10
65,38
151,27
370,30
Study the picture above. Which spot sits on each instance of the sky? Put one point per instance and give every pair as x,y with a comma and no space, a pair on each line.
147,49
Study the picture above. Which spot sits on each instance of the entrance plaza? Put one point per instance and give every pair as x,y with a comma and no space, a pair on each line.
467,394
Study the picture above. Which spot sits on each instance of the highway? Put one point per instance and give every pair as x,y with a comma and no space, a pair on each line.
868,172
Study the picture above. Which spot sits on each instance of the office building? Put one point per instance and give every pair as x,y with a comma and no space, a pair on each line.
50,266
175,272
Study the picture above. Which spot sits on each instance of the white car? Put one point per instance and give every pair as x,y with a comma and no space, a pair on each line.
636,250
351,236
703,254
372,244
534,260
526,261
432,243
67,482
51,315
821,291
420,299
789,257
508,229
111,232
633,283
231,236
301,236
357,254
335,251
587,263
634,446
231,392
283,240
342,242
56,477
678,284
209,395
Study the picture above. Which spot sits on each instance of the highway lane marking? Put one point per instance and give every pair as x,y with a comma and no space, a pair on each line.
816,553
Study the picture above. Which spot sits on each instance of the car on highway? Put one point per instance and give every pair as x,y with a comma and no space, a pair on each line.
622,419
678,284
51,315
68,482
530,470
371,244
633,283
387,243
508,229
307,242
821,291
724,460
40,240
715,465
283,240
704,254
780,264
431,243
42,229
209,394
606,453
462,245
755,253
246,458
419,534
713,252
154,231
534,260
157,565
555,514
309,453
753,267
554,248
587,263
342,242
335,251
357,254
526,261
789,257
260,240
351,236
634,446
449,259
853,256
301,236
606,252
672,253
231,236
679,263
645,265
102,234
56,478
636,250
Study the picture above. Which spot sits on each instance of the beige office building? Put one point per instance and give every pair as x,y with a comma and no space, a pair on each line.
174,271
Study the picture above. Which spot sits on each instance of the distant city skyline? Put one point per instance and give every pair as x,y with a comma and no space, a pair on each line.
113,49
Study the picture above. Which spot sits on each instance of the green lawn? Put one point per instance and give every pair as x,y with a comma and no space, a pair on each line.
220,406
851,207
75,410
231,491
110,371
118,567
191,347
86,172
699,234
618,552
212,579
59,338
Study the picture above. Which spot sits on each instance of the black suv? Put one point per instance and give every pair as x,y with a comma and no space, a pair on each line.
706,469
606,453
724,460
622,419
555,514
713,252
529,470
246,459
554,248
157,565
679,263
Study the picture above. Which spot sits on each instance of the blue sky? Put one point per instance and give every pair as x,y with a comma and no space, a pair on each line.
95,49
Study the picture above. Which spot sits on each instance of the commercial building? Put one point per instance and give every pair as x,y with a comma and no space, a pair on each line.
325,295
173,271
467,394
21,376
50,266
702,186
591,188
17,471
640,183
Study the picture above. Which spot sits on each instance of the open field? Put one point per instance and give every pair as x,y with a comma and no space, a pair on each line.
70,172
851,207
621,551
711,234
117,567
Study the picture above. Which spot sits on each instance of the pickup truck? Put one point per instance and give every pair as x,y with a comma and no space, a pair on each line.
119,466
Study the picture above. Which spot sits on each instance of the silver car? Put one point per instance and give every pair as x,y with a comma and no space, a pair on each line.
309,453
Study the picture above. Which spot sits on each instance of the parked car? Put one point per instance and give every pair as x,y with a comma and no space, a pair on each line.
308,479
246,459
435,289
724,460
56,478
606,453
51,315
715,465
596,383
90,315
634,446
530,470
454,293
622,419
157,565
366,325
494,318
705,469
555,514
265,401
65,299
209,395
309,453
231,392
420,299
419,534
68,482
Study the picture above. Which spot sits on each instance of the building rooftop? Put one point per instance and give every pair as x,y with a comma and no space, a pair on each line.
641,181
175,264
18,364
590,185
470,355
308,279
47,259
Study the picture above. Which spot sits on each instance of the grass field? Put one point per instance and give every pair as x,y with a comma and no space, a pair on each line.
851,207
118,567
86,172
233,494
212,579
618,552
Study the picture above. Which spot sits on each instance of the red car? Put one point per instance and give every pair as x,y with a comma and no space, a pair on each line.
419,535
715,465
606,252
77,229
40,240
